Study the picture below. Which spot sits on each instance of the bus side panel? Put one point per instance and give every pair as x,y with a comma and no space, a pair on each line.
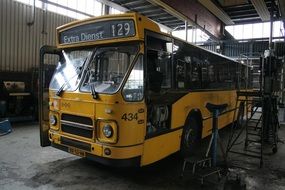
223,121
193,100
161,146
198,100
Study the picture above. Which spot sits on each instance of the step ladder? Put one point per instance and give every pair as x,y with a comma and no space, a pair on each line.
257,118
201,168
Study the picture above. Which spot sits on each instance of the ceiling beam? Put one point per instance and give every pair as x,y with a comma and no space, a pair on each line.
171,11
123,9
176,13
113,5
261,9
219,13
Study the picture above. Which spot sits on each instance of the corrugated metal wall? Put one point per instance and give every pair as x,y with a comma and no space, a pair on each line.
20,43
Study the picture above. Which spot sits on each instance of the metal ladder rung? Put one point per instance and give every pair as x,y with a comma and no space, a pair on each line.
255,146
255,141
253,131
254,134
254,152
249,122
253,125
254,128
242,153
254,119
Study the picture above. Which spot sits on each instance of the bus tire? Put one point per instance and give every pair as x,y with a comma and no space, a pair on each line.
191,136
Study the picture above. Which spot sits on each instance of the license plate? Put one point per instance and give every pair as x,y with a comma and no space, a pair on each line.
76,152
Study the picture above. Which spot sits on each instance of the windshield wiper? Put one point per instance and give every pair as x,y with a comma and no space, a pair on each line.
61,89
93,91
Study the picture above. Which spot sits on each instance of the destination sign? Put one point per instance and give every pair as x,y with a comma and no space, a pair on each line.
98,31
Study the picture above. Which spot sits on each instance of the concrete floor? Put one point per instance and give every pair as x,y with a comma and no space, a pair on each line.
26,165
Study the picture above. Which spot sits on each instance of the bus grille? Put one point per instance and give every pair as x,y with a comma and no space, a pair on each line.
77,125
77,119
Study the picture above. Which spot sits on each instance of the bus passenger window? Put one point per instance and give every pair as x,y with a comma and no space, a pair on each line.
133,89
159,70
164,66
195,75
205,74
154,76
180,73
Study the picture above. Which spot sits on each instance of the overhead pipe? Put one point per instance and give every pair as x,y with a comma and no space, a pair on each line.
44,26
186,30
31,23
271,26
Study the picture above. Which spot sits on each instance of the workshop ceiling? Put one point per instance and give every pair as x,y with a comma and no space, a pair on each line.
173,14
245,11
152,11
238,11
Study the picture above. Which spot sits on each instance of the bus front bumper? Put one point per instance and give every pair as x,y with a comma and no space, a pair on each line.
128,156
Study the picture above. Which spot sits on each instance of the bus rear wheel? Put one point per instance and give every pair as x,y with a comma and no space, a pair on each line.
190,137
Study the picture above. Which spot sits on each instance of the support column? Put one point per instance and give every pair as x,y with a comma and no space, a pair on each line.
186,30
105,9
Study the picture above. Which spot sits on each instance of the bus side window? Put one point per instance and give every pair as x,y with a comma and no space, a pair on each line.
159,70
195,75
180,73
134,87
187,67
164,66
155,77
232,75
205,74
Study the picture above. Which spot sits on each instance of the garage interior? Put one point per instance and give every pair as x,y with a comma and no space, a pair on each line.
247,31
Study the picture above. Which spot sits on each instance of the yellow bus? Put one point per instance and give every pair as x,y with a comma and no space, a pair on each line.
126,94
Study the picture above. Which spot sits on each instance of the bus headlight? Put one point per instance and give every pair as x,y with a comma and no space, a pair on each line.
52,120
108,131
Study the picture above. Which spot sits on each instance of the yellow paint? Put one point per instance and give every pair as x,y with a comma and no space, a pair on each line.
129,134
124,152
198,100
98,149
55,137
161,146
77,107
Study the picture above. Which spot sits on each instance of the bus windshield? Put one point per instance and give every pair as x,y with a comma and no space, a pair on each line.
108,67
68,73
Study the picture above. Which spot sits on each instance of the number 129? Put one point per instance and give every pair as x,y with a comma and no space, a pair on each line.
121,29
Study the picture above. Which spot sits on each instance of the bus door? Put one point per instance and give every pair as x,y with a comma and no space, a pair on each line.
48,54
158,66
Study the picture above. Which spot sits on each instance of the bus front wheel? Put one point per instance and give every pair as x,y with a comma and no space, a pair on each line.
190,137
